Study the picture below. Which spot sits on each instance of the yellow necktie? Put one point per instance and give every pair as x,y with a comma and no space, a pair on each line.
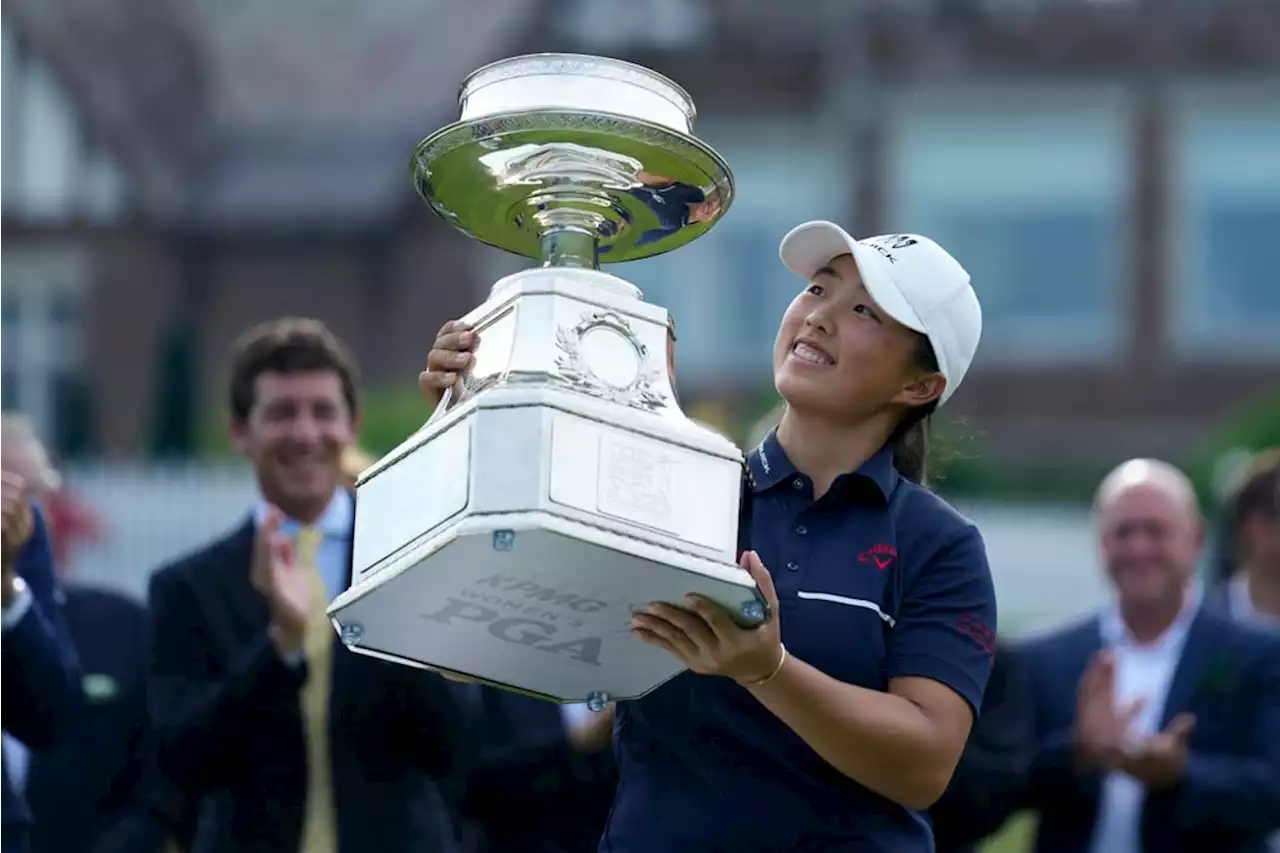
319,830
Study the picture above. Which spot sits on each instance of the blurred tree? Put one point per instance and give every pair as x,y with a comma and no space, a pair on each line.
173,421
390,416
1250,428
73,417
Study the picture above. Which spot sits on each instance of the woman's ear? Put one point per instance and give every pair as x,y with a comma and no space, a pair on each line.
923,389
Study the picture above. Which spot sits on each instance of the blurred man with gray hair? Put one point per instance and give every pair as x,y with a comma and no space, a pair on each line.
1157,719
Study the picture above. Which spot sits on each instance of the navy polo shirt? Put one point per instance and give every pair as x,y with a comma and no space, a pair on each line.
878,578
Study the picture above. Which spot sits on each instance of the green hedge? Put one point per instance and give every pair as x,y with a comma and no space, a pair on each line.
390,416
1253,427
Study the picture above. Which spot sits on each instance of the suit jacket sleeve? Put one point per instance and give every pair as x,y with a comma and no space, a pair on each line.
197,707
155,813
41,674
526,759
1238,791
994,769
1055,775
436,728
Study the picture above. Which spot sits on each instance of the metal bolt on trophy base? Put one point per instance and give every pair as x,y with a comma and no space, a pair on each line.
351,632
565,435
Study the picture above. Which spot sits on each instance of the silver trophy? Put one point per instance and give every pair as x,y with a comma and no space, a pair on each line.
560,488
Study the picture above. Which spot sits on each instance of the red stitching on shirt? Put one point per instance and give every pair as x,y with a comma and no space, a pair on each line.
881,554
973,626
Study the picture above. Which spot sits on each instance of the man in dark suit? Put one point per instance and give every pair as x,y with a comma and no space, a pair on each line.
288,741
40,672
100,791
544,781
1157,720
97,791
990,781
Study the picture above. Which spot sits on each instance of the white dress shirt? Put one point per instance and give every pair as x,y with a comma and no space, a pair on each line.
1143,671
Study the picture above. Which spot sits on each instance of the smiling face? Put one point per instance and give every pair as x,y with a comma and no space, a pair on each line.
295,435
1151,534
837,353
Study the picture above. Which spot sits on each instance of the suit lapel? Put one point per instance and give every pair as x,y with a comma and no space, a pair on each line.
246,602
1192,666
1089,642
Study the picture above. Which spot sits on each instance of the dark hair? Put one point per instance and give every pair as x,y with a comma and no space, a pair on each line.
289,345
1256,494
910,439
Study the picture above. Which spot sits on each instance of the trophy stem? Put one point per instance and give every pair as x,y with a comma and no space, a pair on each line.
570,247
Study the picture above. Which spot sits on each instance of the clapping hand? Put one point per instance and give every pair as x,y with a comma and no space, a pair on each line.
703,637
17,525
1159,761
277,576
1101,730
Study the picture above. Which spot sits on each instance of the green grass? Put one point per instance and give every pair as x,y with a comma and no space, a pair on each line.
1014,838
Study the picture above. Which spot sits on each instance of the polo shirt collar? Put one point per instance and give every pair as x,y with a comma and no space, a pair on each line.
768,465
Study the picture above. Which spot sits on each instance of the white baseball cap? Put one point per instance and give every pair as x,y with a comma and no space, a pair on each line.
911,278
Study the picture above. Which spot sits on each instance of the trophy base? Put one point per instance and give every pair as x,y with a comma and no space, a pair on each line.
536,604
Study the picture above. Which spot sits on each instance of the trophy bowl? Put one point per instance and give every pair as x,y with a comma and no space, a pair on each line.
558,488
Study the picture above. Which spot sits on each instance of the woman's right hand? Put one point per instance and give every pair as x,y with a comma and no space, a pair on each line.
451,355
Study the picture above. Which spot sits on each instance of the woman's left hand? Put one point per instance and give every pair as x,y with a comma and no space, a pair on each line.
703,637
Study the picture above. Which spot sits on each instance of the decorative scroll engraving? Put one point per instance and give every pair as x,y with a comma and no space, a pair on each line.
576,370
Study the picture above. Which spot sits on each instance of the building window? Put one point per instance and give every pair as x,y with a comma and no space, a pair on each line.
51,146
50,170
43,358
1225,145
1030,192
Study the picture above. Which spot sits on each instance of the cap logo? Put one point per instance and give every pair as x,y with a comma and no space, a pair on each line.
885,245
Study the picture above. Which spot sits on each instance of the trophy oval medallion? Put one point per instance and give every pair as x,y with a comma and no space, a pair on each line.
610,356
556,144
603,357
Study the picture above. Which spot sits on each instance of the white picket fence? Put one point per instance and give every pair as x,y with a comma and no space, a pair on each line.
1043,557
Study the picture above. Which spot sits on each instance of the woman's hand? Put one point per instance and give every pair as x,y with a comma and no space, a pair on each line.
451,355
703,637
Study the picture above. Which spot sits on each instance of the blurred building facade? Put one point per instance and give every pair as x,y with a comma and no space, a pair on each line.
1109,172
